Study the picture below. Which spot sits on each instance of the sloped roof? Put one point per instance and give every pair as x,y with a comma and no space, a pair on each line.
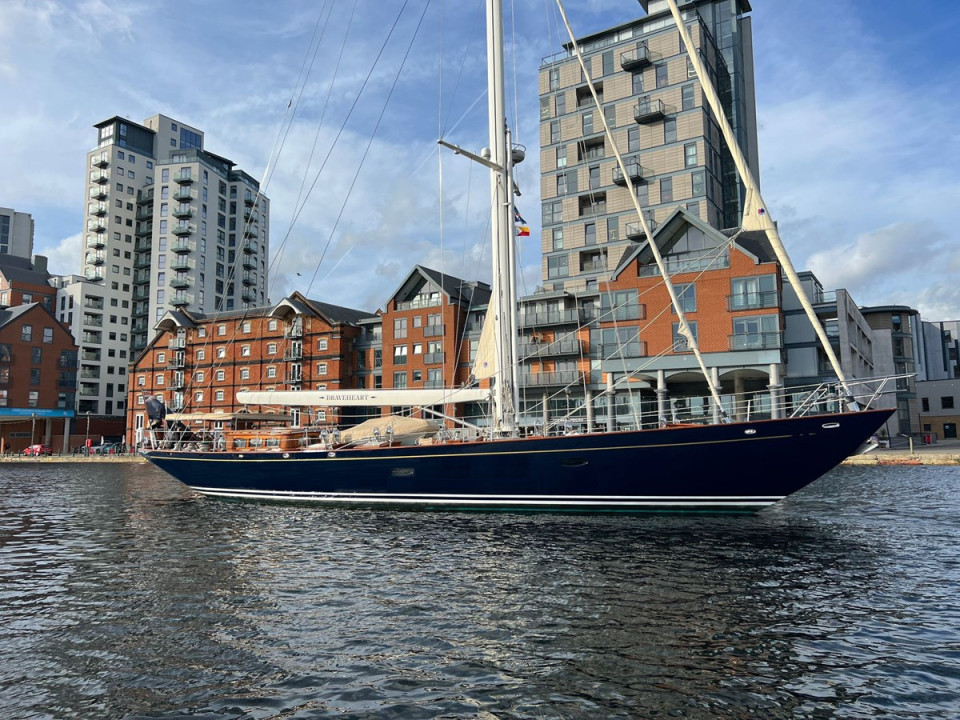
21,270
339,314
463,292
10,314
756,243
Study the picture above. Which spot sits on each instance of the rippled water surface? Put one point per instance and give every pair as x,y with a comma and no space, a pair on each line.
123,595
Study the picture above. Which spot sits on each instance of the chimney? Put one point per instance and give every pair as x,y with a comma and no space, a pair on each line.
40,263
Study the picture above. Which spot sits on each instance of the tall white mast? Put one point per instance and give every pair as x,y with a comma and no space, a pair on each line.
755,214
503,297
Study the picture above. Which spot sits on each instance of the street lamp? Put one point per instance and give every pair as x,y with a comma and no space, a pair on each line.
33,428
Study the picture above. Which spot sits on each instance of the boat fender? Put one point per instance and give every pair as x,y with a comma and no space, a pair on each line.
750,431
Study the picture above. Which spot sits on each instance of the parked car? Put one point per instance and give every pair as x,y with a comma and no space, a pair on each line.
38,450
107,449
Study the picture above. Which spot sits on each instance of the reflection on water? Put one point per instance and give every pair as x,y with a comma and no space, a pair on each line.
123,595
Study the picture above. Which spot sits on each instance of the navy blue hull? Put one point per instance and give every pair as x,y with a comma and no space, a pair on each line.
737,466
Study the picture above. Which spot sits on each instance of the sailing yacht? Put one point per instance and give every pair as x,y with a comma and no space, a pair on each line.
733,464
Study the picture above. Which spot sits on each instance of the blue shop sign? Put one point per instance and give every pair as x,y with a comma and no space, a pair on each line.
38,412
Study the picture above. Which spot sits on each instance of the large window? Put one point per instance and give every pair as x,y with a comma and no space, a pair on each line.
748,293
557,266
756,333
687,295
399,354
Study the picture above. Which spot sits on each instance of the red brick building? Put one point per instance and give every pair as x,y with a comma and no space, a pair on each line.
38,378
197,363
23,282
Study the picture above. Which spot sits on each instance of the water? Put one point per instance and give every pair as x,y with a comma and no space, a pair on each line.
122,595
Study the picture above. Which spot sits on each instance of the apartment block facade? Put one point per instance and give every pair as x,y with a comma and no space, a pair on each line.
654,105
169,225
16,233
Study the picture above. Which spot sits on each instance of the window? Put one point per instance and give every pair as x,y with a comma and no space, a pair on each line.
221,329
400,380
690,155
562,184
946,402
221,374
637,83
399,354
158,380
245,351
610,115
759,291
755,333
561,102
633,139
562,156
323,343
400,327
670,130
698,183
554,78
662,79
554,132
219,395
272,324
221,352
244,373
245,327
608,62
587,122
271,371
48,335
26,333
198,396
558,238
271,348
687,97
687,295
666,190
201,354
544,108
321,368
590,234
552,212
200,376
557,266
594,177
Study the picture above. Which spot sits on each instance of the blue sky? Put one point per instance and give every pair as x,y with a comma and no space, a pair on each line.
856,107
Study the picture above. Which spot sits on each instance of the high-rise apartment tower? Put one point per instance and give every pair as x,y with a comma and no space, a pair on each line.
652,100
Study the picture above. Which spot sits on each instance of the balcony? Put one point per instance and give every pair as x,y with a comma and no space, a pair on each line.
98,193
550,317
180,282
181,299
95,321
183,178
293,378
90,355
251,248
634,230
615,351
91,391
100,161
97,226
90,373
144,229
94,275
556,348
182,230
144,212
251,217
94,259
293,353
753,300
250,231
181,263
184,194
432,330
649,111
183,246
636,173
635,59
98,209
96,242
141,292
93,304
249,279
100,176
562,378
141,260
434,384
295,330
182,211
433,358
755,341
249,200
248,296
593,265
